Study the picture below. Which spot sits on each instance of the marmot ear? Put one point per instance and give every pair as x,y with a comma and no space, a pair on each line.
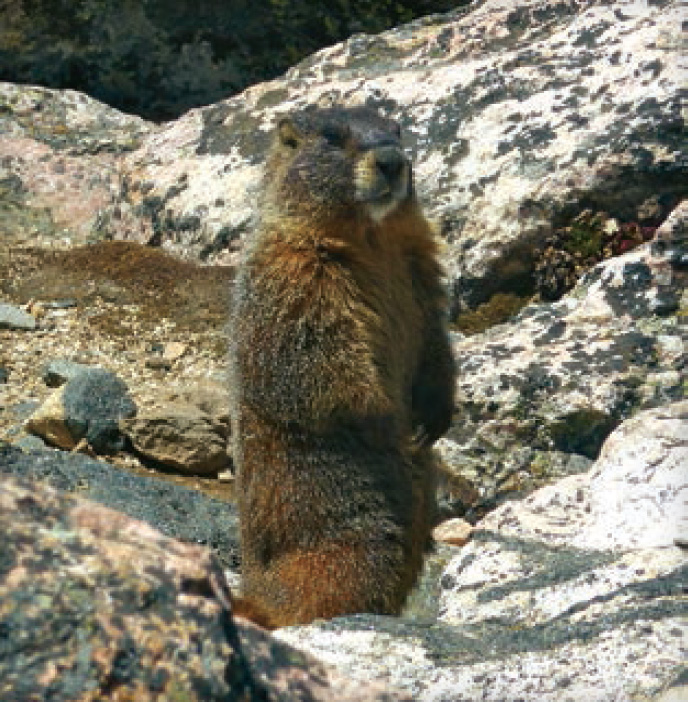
289,135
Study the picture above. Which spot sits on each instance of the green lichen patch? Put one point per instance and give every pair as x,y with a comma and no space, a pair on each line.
498,309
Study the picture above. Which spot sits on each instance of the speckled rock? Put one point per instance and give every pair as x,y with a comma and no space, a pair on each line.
639,485
95,605
544,604
538,395
59,155
517,115
88,407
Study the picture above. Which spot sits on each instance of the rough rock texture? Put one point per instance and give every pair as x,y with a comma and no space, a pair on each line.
517,117
539,394
187,429
181,437
176,511
542,604
59,162
95,606
88,407
634,497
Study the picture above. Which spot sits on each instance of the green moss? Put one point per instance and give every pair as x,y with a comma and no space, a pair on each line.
584,236
589,238
498,309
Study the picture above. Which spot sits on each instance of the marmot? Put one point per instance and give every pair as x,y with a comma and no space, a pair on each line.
342,374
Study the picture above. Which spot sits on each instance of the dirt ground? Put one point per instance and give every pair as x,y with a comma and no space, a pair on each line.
116,305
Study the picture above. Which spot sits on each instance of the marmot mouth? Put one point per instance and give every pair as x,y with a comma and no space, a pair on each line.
384,203
383,180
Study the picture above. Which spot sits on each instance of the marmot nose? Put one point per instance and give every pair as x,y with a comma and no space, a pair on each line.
390,162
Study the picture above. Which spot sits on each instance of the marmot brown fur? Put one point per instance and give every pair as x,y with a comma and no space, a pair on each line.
342,374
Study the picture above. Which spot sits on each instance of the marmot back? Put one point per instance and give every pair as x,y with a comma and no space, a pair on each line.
342,374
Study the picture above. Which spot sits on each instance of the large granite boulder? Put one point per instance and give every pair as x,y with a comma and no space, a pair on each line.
95,605
538,395
518,117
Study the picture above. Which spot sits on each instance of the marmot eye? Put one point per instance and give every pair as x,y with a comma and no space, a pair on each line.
337,135
289,135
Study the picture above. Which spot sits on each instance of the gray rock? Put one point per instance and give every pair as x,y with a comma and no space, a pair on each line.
12,317
639,485
59,371
4,375
88,407
538,395
515,115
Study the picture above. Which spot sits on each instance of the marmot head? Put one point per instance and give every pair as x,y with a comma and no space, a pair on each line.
338,162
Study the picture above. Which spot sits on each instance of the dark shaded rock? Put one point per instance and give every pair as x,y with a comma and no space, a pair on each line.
94,402
89,407
12,317
176,511
95,605
59,371
4,375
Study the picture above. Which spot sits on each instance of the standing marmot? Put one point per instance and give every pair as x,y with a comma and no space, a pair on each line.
342,374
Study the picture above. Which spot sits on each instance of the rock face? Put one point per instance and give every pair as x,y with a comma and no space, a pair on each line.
557,597
59,156
95,605
639,487
517,116
539,394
